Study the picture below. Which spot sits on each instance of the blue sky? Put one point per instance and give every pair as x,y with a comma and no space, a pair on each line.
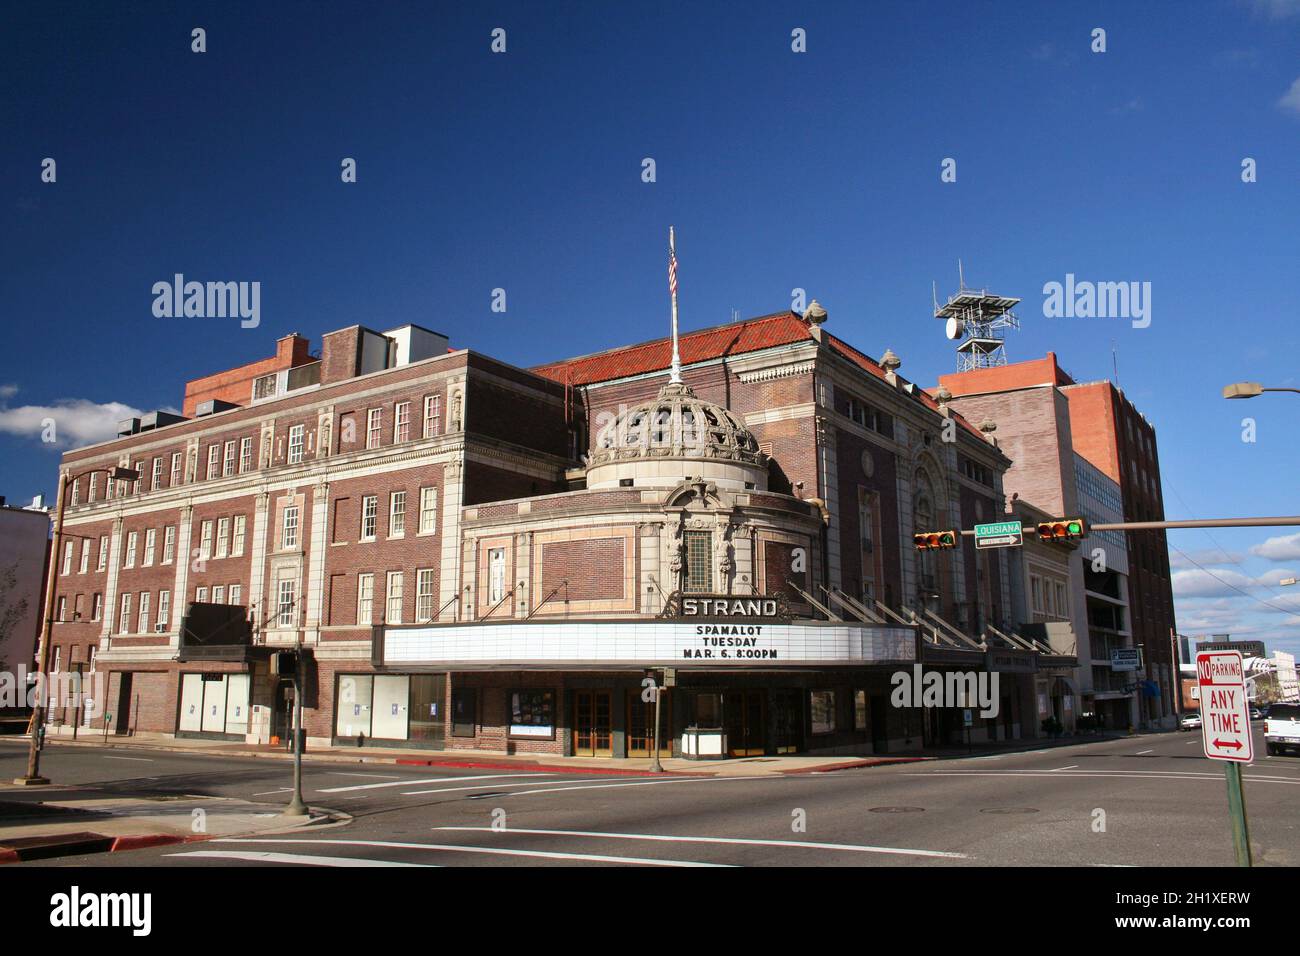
817,170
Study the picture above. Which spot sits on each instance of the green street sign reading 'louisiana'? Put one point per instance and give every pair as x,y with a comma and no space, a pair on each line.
999,534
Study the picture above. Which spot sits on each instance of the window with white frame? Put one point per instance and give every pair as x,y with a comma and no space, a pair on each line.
297,442
58,659
93,485
428,510
369,513
144,613
101,562
264,387
175,478
214,455
397,514
205,540
155,481
139,472
75,493
423,595
85,556
223,537
245,454
496,575
124,620
164,606
132,540
201,595
96,606
374,422
289,528
228,459
169,544
236,594
218,594
61,614
67,557
432,415
365,598
150,545
237,536
401,422
288,604
393,597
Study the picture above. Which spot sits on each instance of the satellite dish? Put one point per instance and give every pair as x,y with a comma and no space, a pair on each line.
953,328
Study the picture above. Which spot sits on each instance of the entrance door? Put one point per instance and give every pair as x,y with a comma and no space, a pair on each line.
592,729
640,725
123,714
744,714
787,721
879,725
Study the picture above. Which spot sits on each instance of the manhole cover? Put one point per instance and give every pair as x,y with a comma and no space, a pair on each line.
1008,810
897,810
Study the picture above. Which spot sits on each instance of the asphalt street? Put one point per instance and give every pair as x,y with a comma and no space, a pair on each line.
1150,800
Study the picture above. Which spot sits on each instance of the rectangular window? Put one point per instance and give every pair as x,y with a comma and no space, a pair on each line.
532,713
289,530
822,707
237,540
859,710
369,511
101,562
423,595
223,537
397,514
228,460
1036,592
124,620
236,594
432,415
67,557
288,603
61,614
699,562
155,482
93,485
214,453
401,422
164,607
496,575
79,607
144,613
296,443
85,556
264,387
393,597
201,595
374,419
76,493
139,470
245,454
219,594
132,540
205,540
365,599
169,544
428,510
175,478
150,546
96,607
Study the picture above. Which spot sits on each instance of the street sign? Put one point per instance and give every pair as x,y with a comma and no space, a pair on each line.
999,534
1225,711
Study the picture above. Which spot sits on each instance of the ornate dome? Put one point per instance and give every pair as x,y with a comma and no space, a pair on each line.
677,424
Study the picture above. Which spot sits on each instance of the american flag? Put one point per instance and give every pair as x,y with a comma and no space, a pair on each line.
672,269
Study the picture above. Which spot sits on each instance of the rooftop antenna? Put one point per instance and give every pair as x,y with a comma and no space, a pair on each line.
979,319
934,294
1114,361
676,378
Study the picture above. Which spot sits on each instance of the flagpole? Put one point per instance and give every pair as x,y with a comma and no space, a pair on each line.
676,378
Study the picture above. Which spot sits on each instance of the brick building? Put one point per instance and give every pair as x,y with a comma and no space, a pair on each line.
478,556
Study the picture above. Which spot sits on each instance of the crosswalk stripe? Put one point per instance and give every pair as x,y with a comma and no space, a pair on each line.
413,783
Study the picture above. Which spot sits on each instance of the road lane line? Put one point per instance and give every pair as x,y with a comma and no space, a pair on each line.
492,851
1141,752
732,841
412,783
140,759
491,786
1073,766
644,783
1106,775
377,776
261,856
267,793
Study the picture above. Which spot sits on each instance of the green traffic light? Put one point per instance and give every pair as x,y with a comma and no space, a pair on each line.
1074,527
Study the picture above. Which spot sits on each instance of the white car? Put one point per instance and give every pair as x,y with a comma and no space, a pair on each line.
1282,728
1190,722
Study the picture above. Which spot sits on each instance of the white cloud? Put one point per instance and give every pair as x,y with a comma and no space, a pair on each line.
1207,557
77,421
1284,547
1290,100
1198,583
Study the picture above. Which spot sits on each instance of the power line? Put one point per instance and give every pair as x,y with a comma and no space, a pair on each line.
1284,610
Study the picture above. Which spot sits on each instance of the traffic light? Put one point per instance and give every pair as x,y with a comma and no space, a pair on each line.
1063,531
935,540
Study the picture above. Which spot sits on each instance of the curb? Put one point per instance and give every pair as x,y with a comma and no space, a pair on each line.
855,764
551,768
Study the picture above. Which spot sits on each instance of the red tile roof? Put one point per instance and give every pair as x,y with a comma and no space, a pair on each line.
737,338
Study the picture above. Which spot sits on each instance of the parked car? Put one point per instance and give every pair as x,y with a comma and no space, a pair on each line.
1256,713
1282,728
1190,722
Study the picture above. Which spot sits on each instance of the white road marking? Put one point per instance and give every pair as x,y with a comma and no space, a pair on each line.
267,793
140,759
733,841
493,851
1073,766
645,783
1141,752
490,786
261,856
412,783
1104,774
377,776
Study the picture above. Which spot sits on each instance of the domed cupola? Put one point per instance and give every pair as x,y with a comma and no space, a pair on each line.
676,436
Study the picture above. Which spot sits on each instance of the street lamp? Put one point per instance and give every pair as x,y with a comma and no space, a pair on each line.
1250,390
115,473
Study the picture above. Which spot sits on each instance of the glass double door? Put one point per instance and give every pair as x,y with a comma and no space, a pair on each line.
593,732
745,712
641,728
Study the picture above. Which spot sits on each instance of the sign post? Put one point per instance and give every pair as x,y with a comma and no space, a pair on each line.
999,534
1226,733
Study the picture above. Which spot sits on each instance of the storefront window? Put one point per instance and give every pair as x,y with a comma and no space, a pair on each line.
708,710
823,711
532,713
859,710
427,693
699,562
